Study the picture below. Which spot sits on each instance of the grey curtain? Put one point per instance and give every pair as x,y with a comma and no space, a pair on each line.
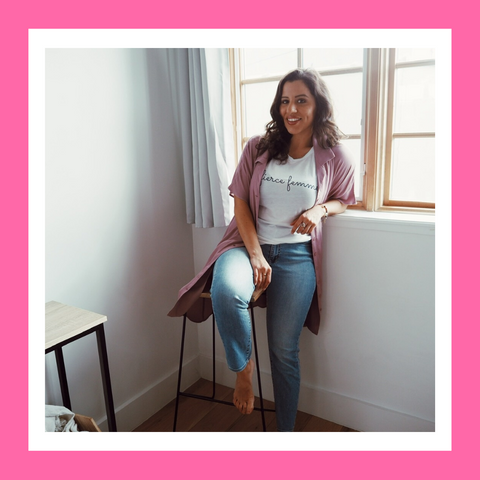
200,80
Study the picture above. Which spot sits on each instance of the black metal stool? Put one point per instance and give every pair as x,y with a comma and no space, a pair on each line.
256,295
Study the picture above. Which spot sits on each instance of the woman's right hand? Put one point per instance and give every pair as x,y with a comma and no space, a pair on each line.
262,272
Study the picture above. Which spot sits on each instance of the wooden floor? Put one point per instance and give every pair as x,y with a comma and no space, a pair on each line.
200,416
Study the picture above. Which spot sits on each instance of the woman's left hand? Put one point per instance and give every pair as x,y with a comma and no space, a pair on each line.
308,220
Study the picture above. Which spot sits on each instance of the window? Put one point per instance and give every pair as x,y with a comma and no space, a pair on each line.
383,101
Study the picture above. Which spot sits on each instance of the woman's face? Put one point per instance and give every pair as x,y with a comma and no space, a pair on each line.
297,108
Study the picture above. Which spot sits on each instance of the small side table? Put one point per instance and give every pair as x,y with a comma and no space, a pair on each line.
65,324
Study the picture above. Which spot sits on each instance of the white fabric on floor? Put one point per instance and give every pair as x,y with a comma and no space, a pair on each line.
59,419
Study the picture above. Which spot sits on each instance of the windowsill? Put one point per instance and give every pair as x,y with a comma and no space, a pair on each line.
385,221
392,216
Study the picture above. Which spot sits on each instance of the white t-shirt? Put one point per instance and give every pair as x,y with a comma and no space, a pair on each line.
286,191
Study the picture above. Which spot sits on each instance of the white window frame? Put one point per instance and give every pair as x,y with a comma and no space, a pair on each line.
376,136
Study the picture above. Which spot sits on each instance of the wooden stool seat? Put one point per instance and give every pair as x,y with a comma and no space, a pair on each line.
255,295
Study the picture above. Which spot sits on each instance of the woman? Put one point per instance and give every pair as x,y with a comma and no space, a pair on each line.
286,184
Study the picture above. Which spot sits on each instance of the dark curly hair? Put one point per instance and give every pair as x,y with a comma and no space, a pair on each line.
277,139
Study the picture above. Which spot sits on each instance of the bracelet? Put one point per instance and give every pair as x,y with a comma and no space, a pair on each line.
324,218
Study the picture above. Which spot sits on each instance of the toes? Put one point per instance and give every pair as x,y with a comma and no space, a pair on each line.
239,405
243,407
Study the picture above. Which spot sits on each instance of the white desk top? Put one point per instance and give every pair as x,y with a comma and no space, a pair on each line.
63,322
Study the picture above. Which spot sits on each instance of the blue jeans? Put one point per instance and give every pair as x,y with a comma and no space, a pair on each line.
289,296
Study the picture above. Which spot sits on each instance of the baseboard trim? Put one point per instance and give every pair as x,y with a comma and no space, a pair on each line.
142,406
337,408
347,411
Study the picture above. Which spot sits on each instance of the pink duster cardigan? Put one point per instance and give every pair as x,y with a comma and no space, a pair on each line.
335,177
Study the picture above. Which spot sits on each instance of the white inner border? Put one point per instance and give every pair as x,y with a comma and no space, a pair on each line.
39,40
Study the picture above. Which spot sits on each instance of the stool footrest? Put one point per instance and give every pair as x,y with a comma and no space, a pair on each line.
216,400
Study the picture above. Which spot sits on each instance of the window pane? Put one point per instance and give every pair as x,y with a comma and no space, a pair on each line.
258,100
346,92
414,108
266,62
354,146
413,54
413,169
332,58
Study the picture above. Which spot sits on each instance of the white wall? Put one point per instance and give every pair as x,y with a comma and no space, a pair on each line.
115,225
371,367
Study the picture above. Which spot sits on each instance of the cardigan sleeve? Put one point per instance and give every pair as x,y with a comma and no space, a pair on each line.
343,188
240,186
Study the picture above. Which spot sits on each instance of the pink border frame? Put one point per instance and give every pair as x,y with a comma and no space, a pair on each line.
18,462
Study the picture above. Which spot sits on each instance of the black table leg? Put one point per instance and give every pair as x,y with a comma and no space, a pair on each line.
107,385
62,376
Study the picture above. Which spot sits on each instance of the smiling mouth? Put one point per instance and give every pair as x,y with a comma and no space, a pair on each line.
292,121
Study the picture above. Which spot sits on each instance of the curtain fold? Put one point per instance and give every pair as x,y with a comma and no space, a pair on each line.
200,81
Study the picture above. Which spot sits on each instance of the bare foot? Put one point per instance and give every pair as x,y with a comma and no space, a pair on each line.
243,397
